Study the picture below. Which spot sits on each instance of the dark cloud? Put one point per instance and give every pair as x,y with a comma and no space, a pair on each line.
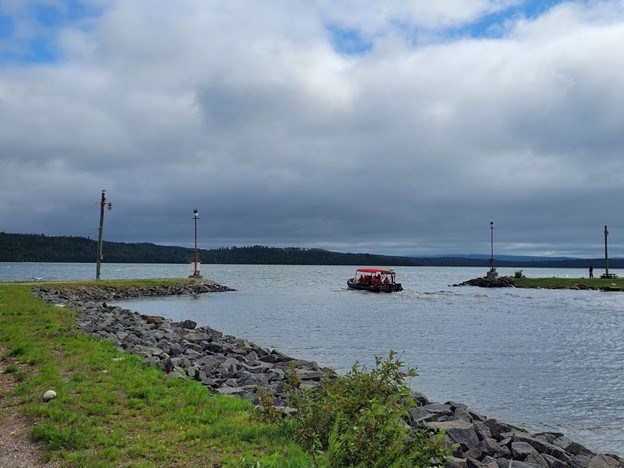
251,114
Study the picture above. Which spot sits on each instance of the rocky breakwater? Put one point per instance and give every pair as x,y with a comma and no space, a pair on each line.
223,363
481,442
484,282
77,295
235,366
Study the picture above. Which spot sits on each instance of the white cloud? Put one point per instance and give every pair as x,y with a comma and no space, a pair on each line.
246,111
378,17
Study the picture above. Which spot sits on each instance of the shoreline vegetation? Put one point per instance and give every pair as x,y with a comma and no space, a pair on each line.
113,406
74,249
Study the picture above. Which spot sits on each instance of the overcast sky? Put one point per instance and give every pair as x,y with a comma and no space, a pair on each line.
395,127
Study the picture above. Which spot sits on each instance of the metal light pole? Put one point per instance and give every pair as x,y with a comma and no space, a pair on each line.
491,245
492,273
196,272
606,275
103,203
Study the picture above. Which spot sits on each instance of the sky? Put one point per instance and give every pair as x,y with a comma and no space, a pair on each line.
384,126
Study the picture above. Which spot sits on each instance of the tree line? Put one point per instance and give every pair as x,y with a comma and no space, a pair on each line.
73,249
42,248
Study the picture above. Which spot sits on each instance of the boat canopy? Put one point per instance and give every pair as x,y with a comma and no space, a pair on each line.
385,271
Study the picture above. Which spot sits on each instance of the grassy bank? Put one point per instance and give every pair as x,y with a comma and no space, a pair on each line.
610,284
111,410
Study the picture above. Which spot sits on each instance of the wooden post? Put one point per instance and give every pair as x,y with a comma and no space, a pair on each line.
98,264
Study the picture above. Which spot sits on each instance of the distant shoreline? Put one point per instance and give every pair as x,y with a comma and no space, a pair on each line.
74,249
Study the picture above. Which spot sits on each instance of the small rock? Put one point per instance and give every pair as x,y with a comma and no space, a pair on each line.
154,319
49,395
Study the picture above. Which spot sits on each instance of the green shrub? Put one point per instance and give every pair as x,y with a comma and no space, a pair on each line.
359,419
518,274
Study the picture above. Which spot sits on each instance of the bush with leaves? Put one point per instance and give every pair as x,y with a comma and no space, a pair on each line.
360,419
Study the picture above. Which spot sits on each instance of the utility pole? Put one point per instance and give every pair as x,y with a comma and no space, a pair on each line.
103,203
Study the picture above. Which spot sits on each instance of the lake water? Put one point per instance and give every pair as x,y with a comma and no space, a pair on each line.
544,359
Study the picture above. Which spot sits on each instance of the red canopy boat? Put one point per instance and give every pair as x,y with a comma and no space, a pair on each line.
375,279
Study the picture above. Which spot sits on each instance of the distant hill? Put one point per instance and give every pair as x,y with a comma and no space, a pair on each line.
512,258
42,248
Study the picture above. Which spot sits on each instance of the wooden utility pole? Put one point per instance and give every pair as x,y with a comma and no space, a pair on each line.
98,264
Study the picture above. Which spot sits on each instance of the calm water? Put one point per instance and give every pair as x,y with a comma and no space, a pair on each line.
547,360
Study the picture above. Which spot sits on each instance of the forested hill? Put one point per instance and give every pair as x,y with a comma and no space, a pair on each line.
42,248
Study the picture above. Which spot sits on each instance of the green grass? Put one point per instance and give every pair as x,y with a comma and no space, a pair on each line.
111,410
606,284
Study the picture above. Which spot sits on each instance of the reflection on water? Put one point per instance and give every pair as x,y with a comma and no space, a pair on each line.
549,360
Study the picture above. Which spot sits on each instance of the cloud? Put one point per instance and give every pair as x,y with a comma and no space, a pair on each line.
395,16
254,114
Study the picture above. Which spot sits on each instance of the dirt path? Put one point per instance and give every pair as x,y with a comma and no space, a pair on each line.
16,448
